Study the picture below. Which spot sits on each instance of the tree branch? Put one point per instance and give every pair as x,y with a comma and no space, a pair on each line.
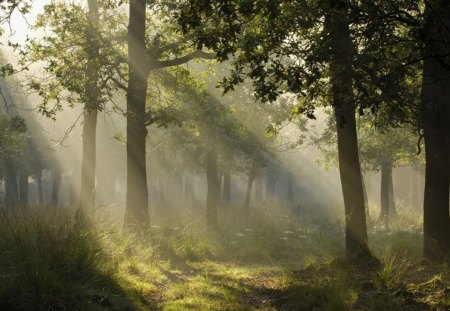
183,59
174,45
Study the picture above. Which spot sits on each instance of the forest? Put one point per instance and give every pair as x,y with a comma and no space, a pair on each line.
225,155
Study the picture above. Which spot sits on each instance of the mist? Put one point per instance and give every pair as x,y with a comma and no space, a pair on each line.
223,156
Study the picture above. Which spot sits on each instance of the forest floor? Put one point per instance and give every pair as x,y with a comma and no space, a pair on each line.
266,263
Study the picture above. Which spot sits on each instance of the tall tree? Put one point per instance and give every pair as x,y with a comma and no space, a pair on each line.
138,70
91,106
436,127
142,60
342,49
285,47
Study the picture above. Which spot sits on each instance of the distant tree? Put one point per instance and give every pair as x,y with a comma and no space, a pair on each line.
13,142
380,148
287,47
82,60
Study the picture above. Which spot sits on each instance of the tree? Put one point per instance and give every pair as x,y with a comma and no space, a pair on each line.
92,104
435,117
142,60
12,146
283,50
381,149
88,40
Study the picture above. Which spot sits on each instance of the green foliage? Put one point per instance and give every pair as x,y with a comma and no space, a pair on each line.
13,137
65,55
376,143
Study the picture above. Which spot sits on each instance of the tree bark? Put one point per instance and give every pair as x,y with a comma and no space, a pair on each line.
251,178
55,186
11,191
226,192
212,196
386,177
90,112
435,119
39,184
136,211
258,189
271,184
23,187
392,207
366,199
162,193
344,109
290,188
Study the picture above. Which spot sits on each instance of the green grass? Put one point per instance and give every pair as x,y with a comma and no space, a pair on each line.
267,261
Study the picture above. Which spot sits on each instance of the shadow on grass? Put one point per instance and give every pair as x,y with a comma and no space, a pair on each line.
48,263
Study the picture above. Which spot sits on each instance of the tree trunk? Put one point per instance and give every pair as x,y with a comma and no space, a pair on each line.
290,188
90,112
366,200
226,193
392,207
162,193
251,178
88,165
39,184
136,211
270,185
212,197
344,109
435,119
188,188
11,191
24,187
55,186
386,175
258,189
226,190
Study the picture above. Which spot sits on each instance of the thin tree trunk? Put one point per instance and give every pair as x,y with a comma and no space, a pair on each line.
136,211
290,188
39,183
188,188
11,191
435,119
270,185
392,207
226,190
251,178
226,193
55,186
23,180
212,197
258,189
344,109
384,192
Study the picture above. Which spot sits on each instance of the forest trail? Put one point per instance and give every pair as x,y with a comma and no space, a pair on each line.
212,285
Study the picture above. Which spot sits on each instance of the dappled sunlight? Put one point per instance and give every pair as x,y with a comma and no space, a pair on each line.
223,155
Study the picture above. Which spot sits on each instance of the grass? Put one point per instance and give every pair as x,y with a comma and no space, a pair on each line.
264,262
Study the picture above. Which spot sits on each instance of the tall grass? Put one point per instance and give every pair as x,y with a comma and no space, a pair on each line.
48,263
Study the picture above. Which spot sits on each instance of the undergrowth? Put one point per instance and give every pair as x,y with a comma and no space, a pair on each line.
263,260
